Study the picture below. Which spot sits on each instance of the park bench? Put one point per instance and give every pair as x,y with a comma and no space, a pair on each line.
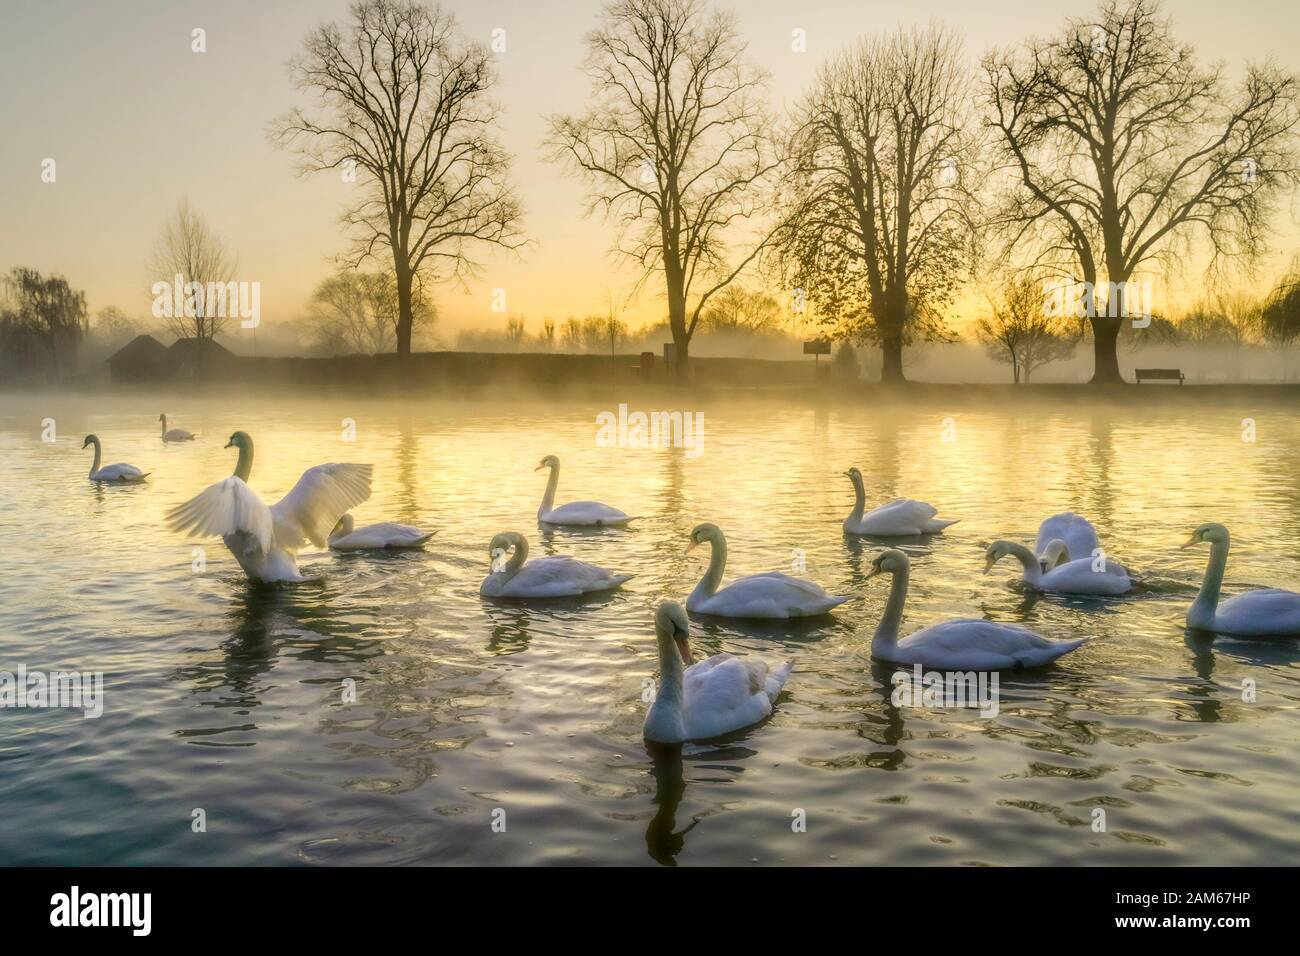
1159,375
646,365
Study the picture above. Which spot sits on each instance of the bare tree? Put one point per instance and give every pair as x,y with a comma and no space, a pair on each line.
356,312
674,145
1123,149
191,254
1018,331
736,309
403,105
882,170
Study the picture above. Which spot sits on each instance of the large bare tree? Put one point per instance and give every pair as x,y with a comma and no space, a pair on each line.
882,169
189,248
402,103
1124,149
675,146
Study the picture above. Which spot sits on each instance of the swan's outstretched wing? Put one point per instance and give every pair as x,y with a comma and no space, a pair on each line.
314,505
1077,532
229,507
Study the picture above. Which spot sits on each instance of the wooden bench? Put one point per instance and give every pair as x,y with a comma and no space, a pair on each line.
646,367
1159,375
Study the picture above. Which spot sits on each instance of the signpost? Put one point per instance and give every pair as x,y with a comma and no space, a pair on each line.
817,348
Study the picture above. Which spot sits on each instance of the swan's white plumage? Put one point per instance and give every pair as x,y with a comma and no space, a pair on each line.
977,644
1077,532
1079,577
549,577
575,513
118,472
711,697
379,536
1266,612
902,517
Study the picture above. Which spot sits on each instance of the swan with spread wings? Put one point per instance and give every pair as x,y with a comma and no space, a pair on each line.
265,540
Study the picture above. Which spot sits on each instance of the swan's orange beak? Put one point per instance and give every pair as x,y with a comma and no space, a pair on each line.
871,574
988,563
1190,542
690,547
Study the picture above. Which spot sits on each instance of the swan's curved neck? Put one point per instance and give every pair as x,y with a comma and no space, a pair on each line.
887,631
670,673
859,498
713,576
162,421
1033,570
548,499
244,467
517,557
1207,601
94,466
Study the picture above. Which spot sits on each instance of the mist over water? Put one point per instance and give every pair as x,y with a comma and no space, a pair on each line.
227,697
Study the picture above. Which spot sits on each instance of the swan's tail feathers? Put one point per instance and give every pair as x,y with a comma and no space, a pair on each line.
776,679
835,600
936,525
1062,648
618,580
421,540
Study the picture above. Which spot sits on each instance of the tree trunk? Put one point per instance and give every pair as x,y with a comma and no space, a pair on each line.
891,354
1105,339
404,316
675,282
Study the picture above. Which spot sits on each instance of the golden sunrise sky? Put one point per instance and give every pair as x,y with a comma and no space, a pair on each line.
136,121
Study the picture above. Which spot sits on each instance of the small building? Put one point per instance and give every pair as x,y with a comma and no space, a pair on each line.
184,360
144,358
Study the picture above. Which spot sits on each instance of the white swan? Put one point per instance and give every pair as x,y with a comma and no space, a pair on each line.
552,576
175,434
114,473
584,513
711,697
1266,612
901,517
1077,532
961,644
769,595
346,536
1070,577
264,540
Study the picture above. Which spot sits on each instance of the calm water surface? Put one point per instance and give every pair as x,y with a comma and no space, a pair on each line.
227,697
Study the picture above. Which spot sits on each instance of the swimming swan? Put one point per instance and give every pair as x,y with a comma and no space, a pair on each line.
584,513
710,697
346,536
901,517
1265,612
1071,577
552,576
961,644
769,595
114,473
264,540
1077,532
175,434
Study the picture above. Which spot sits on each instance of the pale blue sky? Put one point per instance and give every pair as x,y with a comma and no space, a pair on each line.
136,121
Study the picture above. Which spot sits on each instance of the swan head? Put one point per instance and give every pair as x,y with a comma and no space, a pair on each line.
344,526
240,440
162,418
672,624
702,533
90,440
854,475
995,553
501,545
892,561
550,461
1057,552
1208,534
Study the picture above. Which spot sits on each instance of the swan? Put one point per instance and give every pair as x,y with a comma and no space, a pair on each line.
1077,532
1070,577
552,576
115,473
899,518
710,697
175,434
585,513
1266,612
264,540
961,644
346,536
769,595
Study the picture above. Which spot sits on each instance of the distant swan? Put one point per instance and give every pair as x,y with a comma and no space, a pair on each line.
175,434
552,576
585,513
711,697
1072,577
1265,612
1077,532
901,517
346,536
114,473
769,595
264,540
960,644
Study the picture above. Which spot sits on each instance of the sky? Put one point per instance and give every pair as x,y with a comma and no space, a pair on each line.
136,122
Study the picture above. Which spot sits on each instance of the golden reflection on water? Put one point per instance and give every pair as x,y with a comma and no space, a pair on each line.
227,696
